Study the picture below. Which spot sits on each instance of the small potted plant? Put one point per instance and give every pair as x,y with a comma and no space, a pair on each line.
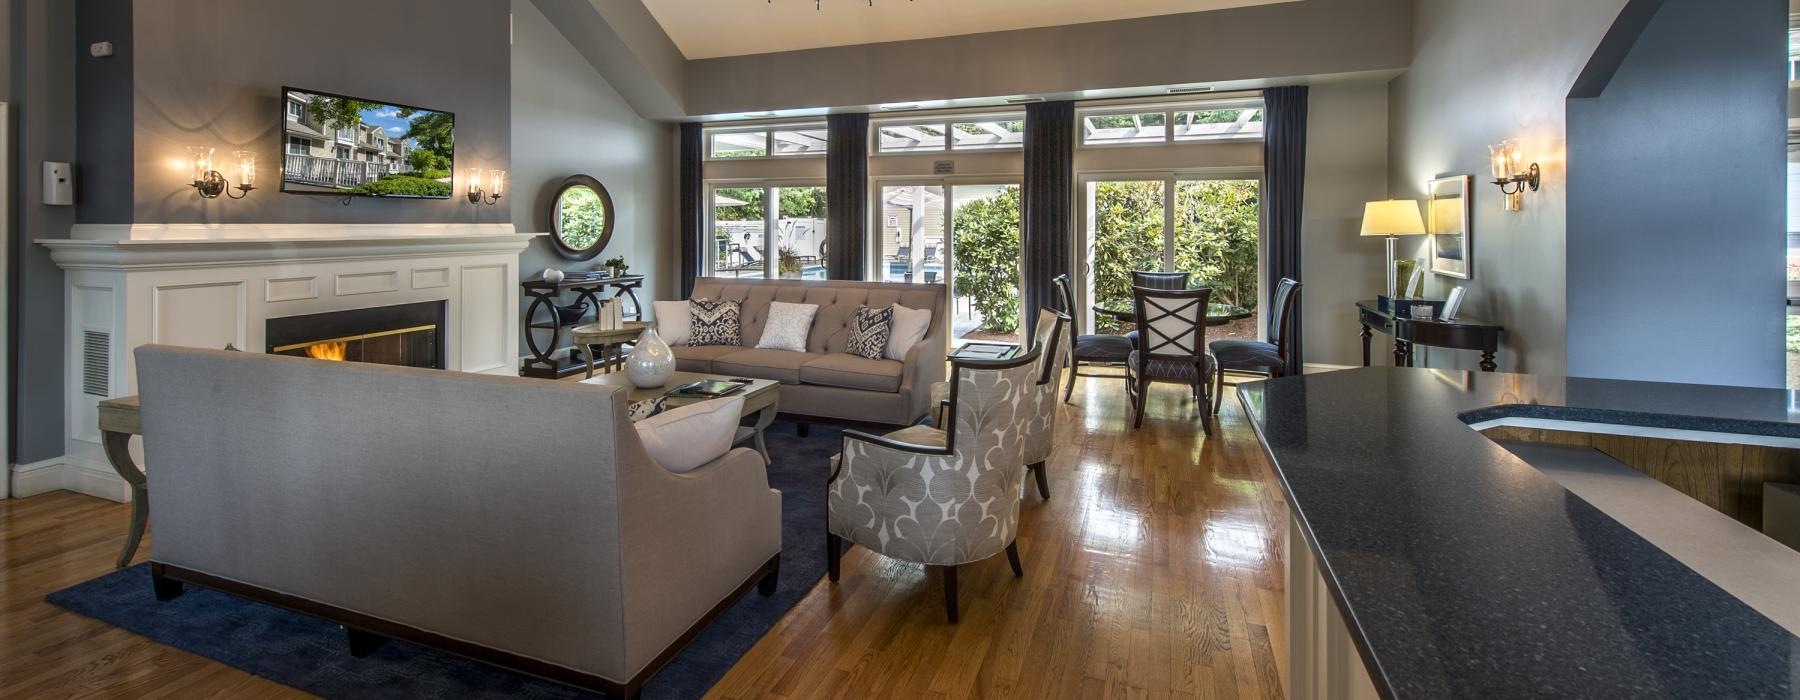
616,267
790,267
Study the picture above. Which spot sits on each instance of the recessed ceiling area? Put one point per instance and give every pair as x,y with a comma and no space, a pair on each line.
715,28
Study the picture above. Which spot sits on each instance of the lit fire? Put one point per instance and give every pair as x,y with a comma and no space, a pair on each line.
328,351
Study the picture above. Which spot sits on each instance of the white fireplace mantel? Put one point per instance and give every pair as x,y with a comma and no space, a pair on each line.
213,285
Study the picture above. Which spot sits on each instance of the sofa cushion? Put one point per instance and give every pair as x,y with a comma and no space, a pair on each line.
787,326
714,322
869,332
776,365
684,439
672,319
908,329
920,435
699,358
842,369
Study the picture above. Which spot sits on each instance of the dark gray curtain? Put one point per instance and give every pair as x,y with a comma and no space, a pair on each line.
1047,203
1284,169
693,207
846,195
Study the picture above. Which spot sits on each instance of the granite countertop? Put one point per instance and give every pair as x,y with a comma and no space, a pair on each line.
1463,571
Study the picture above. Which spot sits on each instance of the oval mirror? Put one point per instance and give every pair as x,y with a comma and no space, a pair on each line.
581,218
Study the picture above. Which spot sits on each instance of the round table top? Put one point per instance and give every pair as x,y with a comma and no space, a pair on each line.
593,333
1216,314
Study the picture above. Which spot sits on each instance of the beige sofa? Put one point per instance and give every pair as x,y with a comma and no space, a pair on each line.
825,381
511,520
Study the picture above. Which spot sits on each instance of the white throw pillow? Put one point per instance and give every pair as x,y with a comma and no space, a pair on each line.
683,439
672,320
909,328
787,326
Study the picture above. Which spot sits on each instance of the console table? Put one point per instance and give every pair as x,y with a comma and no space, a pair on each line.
544,296
1464,333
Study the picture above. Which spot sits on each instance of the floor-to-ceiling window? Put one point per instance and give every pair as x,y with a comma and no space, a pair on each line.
946,211
1170,187
766,201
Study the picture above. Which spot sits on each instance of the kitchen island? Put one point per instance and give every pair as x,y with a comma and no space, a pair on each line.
1425,560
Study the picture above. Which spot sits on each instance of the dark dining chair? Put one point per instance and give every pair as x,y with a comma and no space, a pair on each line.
1159,280
1098,348
1268,359
1170,347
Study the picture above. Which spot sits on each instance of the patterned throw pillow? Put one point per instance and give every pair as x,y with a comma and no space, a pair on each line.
869,331
714,322
640,410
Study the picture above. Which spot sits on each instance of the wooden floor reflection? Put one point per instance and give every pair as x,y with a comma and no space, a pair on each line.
1153,571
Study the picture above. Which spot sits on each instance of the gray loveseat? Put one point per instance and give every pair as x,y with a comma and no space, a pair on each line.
510,520
825,381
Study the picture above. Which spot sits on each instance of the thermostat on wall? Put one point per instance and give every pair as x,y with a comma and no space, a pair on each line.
59,184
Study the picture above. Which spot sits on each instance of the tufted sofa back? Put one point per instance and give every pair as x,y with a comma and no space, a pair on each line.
837,300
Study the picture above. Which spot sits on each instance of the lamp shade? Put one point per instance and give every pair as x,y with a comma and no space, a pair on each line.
1393,217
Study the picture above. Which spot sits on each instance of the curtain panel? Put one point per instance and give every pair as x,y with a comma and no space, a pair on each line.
1284,168
846,195
692,186
1047,203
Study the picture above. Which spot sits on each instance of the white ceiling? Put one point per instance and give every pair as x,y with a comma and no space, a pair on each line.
714,28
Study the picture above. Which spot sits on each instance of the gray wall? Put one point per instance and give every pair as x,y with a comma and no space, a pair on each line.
1677,200
1346,166
1482,72
210,72
42,50
105,129
1271,41
568,120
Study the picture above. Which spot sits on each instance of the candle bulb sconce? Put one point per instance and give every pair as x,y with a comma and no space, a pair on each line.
210,183
1512,174
490,194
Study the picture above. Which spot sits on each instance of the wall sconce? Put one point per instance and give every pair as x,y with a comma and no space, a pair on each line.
1512,174
496,186
210,183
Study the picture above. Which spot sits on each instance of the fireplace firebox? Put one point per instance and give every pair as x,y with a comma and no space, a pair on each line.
409,335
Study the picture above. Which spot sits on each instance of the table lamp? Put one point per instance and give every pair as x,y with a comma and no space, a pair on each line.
1392,218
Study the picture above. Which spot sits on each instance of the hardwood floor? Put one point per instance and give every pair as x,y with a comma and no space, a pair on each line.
1153,571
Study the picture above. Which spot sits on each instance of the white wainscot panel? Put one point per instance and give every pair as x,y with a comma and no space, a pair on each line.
199,315
484,301
291,289
367,283
431,278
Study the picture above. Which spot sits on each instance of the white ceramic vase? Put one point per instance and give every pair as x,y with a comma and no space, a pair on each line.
651,363
553,275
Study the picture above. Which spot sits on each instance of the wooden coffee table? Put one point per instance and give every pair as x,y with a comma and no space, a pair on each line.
762,399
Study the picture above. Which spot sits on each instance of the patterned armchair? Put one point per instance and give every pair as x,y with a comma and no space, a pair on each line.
941,505
1053,336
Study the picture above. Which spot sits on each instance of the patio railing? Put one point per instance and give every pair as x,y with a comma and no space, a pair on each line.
330,172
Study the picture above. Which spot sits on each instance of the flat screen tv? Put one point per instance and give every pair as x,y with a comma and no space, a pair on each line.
348,146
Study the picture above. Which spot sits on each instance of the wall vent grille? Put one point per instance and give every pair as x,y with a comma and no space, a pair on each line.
96,363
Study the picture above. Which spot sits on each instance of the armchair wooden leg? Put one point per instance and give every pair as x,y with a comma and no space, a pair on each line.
950,592
166,589
803,429
1043,479
1012,557
362,643
766,586
1143,397
833,551
1074,371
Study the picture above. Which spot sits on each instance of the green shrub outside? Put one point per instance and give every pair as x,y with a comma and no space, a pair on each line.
986,258
405,185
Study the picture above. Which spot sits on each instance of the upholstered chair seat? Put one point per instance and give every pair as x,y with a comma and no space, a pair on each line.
1253,357
940,505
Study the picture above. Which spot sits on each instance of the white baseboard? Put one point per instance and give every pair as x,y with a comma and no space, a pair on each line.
63,474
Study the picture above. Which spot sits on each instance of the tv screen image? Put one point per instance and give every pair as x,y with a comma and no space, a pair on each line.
347,146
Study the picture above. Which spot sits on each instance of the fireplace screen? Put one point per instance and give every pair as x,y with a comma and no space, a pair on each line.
409,335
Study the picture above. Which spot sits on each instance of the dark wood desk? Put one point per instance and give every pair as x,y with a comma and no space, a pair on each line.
1464,333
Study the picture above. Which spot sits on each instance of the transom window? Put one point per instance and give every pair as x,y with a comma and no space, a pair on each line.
1213,121
764,142
980,133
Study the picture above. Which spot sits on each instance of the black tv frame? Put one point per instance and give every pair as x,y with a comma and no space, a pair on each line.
281,146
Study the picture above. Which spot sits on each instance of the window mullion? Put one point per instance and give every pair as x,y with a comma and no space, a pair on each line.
1169,224
771,257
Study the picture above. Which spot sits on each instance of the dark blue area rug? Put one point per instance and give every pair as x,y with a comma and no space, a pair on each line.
310,654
